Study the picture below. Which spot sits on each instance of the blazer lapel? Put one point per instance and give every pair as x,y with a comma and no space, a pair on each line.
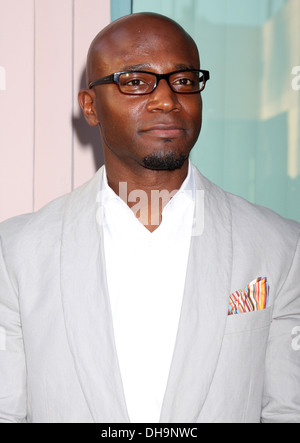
204,310
86,306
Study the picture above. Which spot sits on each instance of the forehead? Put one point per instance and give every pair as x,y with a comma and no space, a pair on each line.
160,45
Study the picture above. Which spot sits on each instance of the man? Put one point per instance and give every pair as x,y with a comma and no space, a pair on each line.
125,301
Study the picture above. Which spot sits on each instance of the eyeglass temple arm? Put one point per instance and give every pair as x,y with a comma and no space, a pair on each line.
206,75
103,81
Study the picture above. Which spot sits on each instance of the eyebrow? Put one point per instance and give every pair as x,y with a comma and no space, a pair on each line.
136,67
141,66
183,67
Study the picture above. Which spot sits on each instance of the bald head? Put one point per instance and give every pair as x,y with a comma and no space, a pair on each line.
140,34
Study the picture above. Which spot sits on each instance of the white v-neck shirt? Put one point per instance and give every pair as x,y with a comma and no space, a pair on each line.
146,277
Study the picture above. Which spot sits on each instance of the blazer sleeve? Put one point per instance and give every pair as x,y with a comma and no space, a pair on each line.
12,358
281,401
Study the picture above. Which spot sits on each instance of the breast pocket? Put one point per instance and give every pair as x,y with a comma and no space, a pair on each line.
251,321
237,387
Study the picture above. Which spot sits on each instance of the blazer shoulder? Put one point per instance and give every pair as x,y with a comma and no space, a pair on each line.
259,219
261,233
22,222
21,234
29,232
48,218
247,214
252,224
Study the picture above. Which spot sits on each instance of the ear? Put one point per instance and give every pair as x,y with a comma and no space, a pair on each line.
86,99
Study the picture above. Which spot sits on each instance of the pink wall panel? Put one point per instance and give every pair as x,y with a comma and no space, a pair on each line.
87,150
46,148
53,100
16,106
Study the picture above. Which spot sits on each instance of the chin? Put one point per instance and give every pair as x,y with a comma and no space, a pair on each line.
164,161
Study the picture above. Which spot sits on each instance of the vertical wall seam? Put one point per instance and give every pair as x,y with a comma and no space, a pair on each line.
34,106
72,67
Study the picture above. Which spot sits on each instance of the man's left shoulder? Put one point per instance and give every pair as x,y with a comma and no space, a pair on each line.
251,220
261,220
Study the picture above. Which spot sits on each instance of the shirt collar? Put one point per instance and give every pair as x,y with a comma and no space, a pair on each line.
187,188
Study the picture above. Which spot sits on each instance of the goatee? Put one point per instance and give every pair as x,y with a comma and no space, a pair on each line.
164,161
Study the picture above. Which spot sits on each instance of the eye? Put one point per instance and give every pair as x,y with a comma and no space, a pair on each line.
183,82
135,82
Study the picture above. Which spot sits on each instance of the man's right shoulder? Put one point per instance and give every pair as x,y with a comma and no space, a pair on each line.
33,226
43,229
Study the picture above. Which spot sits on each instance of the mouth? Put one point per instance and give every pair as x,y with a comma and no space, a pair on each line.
164,131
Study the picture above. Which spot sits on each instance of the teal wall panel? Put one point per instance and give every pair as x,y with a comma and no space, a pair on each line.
250,139
119,8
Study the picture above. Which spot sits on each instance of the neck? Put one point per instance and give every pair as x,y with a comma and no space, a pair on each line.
145,191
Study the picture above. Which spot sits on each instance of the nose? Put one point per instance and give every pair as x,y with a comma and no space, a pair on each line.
163,99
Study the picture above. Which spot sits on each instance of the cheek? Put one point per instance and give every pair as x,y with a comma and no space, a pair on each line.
195,109
117,116
195,119
197,115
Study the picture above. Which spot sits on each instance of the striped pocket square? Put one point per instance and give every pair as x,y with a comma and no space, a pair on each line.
254,297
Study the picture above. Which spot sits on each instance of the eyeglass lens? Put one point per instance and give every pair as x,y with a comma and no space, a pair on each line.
142,83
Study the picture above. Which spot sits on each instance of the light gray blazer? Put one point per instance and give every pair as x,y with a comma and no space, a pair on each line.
58,360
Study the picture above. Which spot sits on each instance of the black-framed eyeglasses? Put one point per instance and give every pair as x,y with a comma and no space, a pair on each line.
189,81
